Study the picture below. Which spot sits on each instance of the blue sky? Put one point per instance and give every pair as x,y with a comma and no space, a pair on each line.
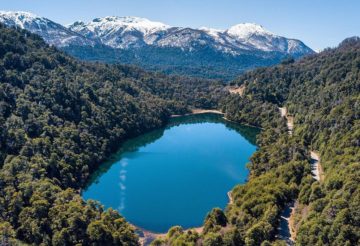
319,23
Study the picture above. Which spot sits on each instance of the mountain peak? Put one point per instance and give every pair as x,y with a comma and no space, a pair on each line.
18,14
127,23
124,19
211,31
246,30
18,18
53,33
350,42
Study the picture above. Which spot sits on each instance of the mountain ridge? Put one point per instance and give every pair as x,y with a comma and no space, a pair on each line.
202,52
235,38
52,32
239,36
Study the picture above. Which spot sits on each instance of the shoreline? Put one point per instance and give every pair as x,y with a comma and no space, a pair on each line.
148,236
212,111
231,199
198,111
244,124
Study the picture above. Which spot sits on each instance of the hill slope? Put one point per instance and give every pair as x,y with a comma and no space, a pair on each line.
322,93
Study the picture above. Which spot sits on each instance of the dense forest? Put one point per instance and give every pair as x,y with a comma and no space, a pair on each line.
60,118
322,93
202,62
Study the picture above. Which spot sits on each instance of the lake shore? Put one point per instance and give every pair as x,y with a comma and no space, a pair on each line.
244,124
211,111
146,237
199,111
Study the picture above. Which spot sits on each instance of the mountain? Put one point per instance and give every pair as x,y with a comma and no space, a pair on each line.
53,33
203,52
120,32
129,32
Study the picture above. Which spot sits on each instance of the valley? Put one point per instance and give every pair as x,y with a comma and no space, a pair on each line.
126,131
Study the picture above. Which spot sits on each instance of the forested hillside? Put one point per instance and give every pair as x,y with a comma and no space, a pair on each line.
200,63
59,119
322,93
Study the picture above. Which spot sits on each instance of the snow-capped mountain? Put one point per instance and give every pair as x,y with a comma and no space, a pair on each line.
53,33
203,52
130,32
126,32
119,32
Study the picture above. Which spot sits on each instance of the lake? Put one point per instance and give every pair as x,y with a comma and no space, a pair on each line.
175,175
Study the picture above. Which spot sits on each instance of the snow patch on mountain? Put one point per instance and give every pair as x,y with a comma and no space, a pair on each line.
119,32
19,18
111,24
212,31
246,30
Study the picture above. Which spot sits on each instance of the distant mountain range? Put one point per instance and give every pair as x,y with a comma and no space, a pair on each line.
203,52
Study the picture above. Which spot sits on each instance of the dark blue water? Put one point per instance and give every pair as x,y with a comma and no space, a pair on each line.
176,175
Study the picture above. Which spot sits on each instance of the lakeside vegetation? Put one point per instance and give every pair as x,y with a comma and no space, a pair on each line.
60,118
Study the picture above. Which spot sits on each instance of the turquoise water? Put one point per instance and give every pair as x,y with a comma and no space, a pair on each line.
176,175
